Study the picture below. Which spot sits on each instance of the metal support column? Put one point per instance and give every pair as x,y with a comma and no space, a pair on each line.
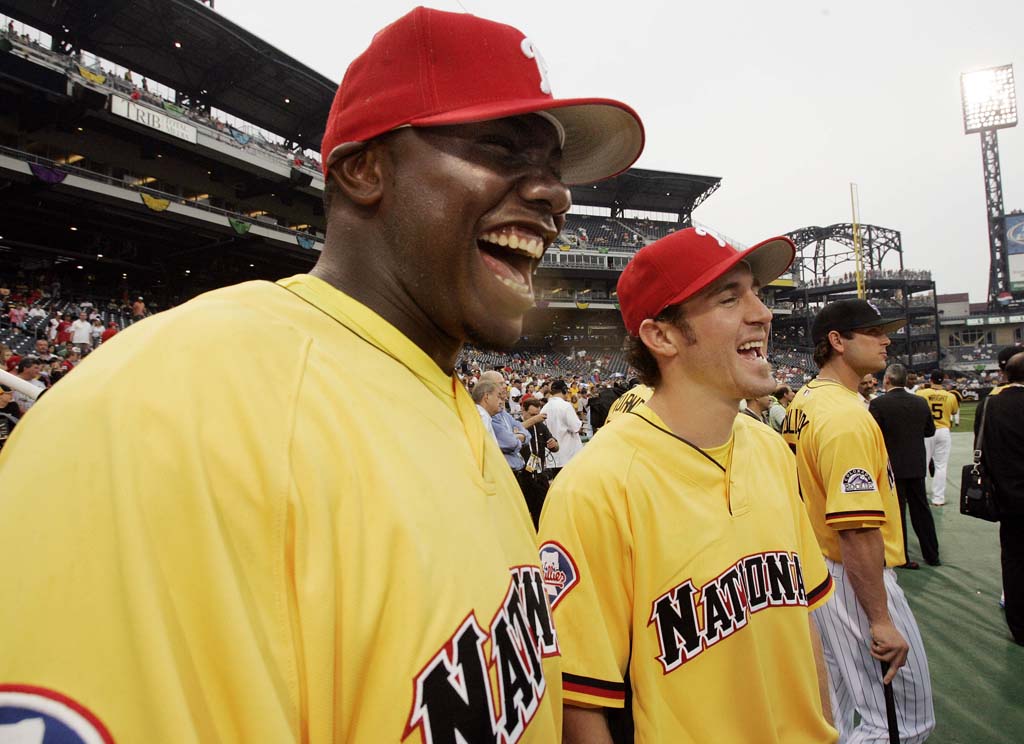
999,270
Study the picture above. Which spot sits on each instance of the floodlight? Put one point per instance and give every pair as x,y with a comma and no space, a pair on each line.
989,99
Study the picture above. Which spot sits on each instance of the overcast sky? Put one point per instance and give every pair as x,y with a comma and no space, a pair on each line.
788,102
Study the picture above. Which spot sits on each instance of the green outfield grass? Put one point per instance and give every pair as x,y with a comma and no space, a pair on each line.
967,416
977,671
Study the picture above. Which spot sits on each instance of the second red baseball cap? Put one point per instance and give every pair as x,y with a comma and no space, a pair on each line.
675,268
432,68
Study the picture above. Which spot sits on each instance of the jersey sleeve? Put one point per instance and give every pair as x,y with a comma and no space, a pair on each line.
847,458
818,585
586,555
817,580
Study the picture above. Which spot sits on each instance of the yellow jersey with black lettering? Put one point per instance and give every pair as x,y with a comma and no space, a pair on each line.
942,403
234,547
629,400
693,572
845,478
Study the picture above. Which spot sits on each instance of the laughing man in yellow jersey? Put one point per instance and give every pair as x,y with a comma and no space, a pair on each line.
849,490
679,560
943,406
245,551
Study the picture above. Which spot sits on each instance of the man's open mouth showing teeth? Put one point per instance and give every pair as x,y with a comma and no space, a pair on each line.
752,349
511,254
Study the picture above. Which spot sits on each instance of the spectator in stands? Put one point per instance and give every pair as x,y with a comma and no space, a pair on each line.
487,398
138,309
780,402
601,404
508,432
16,315
564,424
42,352
1002,455
28,370
95,332
64,330
867,387
109,333
74,357
10,414
534,480
757,408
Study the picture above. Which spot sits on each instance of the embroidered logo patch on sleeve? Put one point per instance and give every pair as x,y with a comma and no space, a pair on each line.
856,480
560,572
38,715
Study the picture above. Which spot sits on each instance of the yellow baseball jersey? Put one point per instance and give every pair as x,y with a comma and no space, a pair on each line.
629,400
234,546
693,572
942,403
843,468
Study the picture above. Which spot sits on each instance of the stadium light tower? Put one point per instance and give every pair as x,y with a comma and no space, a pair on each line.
990,103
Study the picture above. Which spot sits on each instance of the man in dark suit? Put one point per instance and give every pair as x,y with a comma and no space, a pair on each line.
905,421
1002,455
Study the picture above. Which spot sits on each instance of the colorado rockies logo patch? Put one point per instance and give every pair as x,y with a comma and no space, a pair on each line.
39,716
560,572
856,480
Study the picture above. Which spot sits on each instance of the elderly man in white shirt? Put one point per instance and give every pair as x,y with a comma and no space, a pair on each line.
564,424
487,396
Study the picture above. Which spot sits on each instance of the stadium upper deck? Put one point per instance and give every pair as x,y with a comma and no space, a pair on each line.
140,170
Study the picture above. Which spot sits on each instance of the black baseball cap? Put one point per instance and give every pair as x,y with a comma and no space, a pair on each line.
851,315
1005,353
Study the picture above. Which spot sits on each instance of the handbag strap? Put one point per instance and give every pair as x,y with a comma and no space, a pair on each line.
981,434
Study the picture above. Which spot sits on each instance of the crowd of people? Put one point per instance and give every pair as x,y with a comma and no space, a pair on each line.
871,274
138,88
286,512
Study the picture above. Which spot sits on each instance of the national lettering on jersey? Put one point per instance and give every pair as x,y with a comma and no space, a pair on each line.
458,701
689,620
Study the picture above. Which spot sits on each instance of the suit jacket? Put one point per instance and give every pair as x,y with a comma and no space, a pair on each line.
1002,447
905,421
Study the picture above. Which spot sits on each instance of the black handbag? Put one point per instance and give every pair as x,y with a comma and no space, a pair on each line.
977,494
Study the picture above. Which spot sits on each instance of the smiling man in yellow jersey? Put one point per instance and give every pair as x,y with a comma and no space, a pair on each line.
943,406
847,485
249,553
679,560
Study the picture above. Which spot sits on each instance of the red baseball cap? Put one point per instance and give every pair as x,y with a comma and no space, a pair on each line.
431,68
675,268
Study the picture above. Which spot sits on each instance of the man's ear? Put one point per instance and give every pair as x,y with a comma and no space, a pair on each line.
654,335
835,338
360,175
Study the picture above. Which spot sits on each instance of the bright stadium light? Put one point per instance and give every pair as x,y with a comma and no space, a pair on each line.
989,99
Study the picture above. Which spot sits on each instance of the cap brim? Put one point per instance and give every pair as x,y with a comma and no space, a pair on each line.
887,326
602,137
769,259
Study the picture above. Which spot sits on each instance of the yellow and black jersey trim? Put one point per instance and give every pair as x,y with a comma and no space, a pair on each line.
855,514
819,592
600,688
